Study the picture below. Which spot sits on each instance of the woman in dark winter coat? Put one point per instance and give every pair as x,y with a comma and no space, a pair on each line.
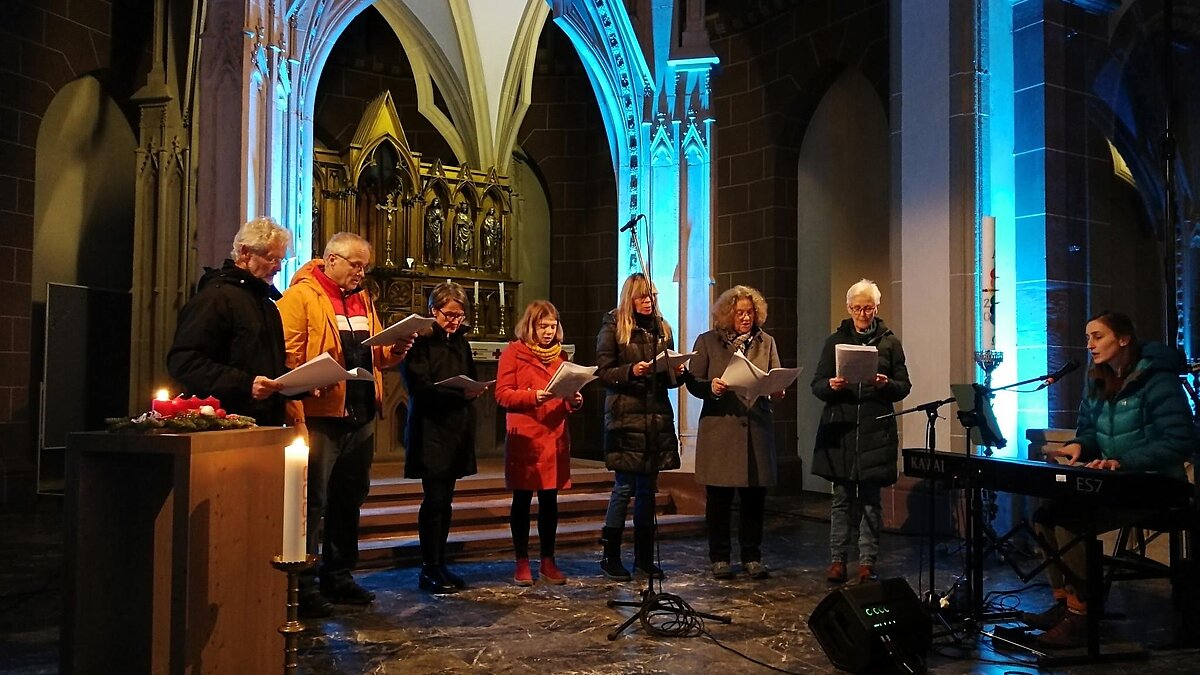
854,450
735,443
440,437
537,445
1134,417
639,424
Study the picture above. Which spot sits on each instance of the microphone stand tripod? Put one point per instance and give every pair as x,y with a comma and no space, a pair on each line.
931,598
652,602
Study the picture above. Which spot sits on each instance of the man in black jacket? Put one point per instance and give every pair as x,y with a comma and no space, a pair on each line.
229,340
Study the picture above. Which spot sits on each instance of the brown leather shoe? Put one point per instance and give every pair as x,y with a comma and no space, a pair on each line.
867,573
1070,633
1047,619
836,572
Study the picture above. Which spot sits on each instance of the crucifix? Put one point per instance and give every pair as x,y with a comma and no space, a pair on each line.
389,208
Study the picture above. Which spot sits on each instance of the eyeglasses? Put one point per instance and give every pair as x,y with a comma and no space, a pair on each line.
356,266
862,309
743,313
452,317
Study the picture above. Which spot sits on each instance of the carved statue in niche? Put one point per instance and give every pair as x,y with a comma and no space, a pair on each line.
434,222
491,235
464,237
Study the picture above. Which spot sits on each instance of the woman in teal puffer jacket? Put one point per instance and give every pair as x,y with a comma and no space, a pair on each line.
1134,417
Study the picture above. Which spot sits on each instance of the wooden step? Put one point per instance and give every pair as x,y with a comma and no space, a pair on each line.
388,525
468,542
468,512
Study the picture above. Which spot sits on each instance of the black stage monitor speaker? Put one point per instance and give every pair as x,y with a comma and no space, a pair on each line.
874,627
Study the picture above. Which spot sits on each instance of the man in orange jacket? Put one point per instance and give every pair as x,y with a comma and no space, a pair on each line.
326,309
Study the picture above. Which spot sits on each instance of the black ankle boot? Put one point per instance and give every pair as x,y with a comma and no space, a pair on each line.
610,562
433,580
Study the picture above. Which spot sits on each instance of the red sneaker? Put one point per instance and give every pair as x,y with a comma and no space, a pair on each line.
550,572
523,576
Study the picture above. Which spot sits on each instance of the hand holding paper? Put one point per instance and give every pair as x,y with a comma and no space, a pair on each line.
857,364
319,372
750,382
569,379
669,358
469,388
400,331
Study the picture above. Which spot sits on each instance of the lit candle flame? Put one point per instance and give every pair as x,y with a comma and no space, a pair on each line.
162,395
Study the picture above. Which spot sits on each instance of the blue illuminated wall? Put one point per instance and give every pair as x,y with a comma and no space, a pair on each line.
1020,320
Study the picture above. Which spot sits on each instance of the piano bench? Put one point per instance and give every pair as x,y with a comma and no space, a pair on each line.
1130,558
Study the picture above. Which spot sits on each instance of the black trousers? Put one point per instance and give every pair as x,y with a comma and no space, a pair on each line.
718,512
433,520
339,478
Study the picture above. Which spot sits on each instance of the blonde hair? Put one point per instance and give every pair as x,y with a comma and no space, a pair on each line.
526,328
636,286
722,310
258,235
863,287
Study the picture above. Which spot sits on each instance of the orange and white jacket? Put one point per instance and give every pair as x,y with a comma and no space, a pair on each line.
310,329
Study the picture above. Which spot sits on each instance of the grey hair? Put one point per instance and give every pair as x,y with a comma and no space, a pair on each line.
342,242
258,235
447,292
863,287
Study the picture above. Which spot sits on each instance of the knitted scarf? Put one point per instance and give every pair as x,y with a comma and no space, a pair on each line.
547,354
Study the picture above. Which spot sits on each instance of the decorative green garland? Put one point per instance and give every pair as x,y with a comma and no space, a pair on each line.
184,422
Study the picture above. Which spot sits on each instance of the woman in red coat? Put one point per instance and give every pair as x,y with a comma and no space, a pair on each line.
537,449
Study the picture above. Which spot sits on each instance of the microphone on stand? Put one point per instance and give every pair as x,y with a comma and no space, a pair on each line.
1063,370
632,222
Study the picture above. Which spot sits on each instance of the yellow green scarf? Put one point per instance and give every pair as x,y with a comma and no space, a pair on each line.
547,354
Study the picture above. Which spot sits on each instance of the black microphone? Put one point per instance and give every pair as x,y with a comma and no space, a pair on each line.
1068,367
632,222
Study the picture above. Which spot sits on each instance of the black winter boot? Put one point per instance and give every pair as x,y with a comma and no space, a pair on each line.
643,551
610,562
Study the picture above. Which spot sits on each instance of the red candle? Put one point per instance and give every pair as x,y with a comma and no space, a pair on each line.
162,404
193,403
211,400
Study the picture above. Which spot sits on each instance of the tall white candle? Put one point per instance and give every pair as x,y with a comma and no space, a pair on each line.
501,293
987,282
476,292
295,500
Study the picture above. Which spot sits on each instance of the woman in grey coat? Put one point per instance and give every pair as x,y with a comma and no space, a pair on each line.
735,443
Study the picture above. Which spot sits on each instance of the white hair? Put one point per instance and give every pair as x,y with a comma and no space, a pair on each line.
863,287
258,235
343,244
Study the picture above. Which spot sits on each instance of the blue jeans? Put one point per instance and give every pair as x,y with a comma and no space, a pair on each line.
625,485
855,513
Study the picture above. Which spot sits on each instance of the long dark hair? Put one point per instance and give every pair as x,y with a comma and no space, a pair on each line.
1107,381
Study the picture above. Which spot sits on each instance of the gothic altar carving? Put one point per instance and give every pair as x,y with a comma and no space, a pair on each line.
426,221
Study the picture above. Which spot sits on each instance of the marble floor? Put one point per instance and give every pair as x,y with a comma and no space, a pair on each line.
496,627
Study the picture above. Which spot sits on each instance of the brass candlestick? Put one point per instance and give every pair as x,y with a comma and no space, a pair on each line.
989,360
292,627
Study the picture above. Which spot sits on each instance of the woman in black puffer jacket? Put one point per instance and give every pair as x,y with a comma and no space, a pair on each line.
854,450
639,424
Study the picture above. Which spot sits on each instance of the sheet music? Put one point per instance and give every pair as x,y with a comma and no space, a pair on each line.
569,379
399,331
857,364
466,385
319,372
751,382
669,358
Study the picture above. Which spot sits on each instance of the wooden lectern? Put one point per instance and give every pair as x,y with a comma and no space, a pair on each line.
168,547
